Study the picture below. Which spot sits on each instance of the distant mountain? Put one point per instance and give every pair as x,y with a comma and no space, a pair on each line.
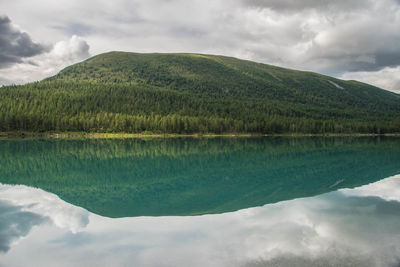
190,93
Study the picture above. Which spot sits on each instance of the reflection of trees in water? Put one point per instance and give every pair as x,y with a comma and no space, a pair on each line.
131,177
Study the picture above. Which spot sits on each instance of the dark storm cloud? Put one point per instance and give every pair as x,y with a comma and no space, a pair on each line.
16,45
356,62
15,223
382,60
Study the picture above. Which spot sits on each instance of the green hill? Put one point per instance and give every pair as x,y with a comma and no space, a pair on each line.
189,93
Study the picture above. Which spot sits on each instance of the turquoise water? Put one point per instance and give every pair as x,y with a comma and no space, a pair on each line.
200,202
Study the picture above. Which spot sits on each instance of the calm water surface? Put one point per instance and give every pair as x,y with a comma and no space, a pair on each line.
200,202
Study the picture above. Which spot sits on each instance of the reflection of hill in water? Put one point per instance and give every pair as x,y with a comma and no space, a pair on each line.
118,178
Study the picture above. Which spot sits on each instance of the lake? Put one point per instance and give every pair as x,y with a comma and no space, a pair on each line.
262,201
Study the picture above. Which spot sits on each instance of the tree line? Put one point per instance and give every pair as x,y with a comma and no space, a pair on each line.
135,108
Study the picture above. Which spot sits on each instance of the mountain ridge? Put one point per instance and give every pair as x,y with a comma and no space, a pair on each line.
186,93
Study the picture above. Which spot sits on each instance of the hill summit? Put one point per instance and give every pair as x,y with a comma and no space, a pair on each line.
191,93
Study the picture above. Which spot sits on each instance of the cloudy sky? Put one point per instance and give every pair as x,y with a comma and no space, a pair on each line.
358,39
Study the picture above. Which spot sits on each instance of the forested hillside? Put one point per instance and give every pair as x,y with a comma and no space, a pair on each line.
191,93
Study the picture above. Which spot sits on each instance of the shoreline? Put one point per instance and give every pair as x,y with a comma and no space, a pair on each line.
77,135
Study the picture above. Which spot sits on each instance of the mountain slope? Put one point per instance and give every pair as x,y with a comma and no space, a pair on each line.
186,93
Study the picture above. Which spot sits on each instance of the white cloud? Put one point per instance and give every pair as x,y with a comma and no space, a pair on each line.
63,54
388,78
68,51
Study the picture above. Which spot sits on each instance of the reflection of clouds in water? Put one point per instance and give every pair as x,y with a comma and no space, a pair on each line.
332,230
37,201
335,229
15,223
344,228
388,189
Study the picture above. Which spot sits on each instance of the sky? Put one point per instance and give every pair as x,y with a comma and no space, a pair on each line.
358,39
